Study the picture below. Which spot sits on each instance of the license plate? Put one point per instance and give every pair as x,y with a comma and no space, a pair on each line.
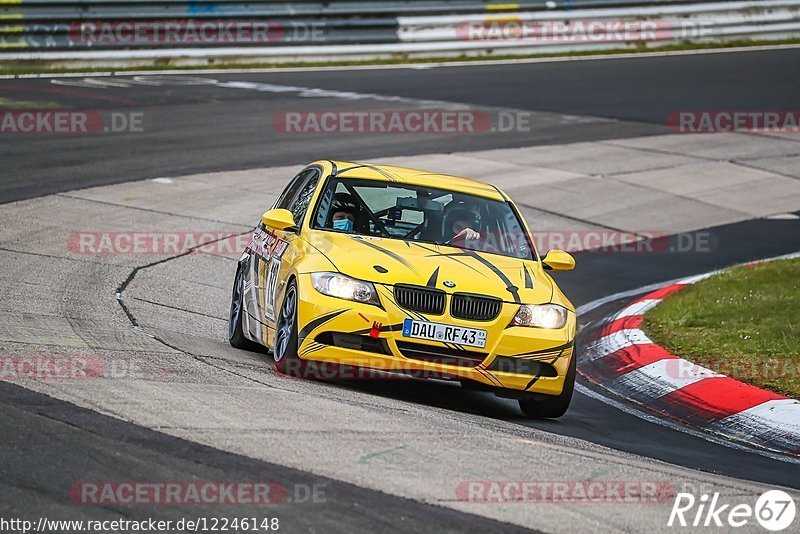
471,337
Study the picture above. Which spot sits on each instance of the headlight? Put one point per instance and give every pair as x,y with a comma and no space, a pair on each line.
343,287
541,316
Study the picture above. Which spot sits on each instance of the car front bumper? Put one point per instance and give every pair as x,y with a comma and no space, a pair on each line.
346,333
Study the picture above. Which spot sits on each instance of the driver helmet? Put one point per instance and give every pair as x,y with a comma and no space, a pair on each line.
464,214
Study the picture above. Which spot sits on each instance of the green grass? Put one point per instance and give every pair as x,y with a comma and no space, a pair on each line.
26,104
744,323
164,63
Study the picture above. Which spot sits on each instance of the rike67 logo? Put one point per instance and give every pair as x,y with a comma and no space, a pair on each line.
774,510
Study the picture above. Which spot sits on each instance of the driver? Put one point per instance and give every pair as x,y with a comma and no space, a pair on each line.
345,211
463,226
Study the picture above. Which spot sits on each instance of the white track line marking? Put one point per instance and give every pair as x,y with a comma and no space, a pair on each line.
637,308
779,415
621,339
661,378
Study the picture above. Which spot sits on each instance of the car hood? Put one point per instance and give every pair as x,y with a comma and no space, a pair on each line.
393,261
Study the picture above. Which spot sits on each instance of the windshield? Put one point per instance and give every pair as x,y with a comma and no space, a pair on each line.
422,214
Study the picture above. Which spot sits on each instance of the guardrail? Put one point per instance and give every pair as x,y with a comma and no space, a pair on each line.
134,32
632,26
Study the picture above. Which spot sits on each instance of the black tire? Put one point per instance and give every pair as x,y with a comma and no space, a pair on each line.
236,336
555,406
284,350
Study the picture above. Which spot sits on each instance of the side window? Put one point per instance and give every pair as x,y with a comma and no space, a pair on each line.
323,207
291,190
299,204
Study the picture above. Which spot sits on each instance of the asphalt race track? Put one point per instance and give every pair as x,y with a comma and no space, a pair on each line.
202,128
189,422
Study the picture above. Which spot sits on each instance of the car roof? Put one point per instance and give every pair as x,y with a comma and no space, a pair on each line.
389,173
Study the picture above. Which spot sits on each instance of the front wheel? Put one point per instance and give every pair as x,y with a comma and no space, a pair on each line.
285,347
555,406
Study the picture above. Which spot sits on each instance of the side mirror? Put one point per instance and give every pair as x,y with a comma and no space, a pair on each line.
558,260
279,219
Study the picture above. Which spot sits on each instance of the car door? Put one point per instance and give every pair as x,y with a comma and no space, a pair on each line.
272,254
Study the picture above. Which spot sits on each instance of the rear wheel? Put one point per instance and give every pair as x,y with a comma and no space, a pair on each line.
236,335
285,348
555,406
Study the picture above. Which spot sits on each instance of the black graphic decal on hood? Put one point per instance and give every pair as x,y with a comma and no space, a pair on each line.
436,253
434,277
511,288
528,279
389,253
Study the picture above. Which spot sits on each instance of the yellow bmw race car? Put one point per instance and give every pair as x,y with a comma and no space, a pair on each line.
389,271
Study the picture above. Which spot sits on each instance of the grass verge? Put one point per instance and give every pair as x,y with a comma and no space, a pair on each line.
744,323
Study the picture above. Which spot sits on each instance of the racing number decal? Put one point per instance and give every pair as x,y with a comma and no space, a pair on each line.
262,277
270,289
271,286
